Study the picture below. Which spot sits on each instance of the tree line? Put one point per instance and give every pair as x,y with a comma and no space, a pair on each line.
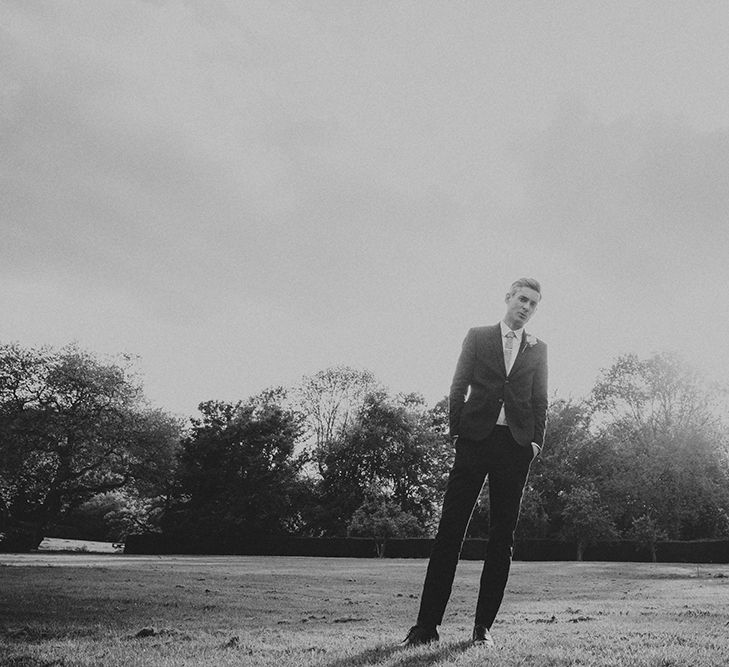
644,456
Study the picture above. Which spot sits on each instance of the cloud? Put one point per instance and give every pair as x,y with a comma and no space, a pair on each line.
627,196
256,191
634,214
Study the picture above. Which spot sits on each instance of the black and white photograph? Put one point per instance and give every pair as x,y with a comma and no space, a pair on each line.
354,333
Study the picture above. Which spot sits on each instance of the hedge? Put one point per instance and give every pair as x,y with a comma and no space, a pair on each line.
699,551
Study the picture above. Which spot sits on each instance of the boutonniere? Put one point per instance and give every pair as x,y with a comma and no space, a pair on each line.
531,341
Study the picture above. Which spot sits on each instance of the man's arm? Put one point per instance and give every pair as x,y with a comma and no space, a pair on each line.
461,381
540,399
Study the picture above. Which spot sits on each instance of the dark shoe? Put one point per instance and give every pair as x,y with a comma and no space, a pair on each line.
419,635
482,636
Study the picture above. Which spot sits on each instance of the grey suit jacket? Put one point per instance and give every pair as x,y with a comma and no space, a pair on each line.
481,386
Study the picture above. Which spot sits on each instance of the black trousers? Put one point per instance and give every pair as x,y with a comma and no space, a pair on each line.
507,465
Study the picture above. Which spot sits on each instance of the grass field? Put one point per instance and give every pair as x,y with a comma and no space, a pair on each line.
82,609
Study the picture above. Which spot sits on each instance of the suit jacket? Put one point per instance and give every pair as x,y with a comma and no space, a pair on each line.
480,387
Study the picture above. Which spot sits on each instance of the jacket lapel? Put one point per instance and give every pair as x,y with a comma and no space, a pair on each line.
498,347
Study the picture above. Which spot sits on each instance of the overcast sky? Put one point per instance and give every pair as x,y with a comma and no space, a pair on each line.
242,193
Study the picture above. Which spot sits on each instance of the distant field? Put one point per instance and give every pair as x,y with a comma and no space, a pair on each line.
79,609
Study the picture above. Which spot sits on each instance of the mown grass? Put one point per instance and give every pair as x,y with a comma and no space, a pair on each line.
79,610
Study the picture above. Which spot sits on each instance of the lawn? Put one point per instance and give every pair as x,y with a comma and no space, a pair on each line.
105,609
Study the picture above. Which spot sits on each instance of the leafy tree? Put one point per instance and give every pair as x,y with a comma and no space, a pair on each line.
533,519
115,514
569,457
722,524
656,396
381,519
71,426
647,534
238,471
586,518
661,438
395,445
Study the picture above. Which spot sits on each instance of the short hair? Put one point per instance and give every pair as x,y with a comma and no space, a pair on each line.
531,283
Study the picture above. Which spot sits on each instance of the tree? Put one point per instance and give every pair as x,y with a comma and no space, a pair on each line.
381,519
657,396
394,445
113,515
71,426
647,534
662,440
586,519
533,520
329,399
238,472
569,457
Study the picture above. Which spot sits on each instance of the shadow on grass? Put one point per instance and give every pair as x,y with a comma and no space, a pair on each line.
32,634
408,657
30,661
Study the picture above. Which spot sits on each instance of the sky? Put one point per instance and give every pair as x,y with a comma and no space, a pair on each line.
245,193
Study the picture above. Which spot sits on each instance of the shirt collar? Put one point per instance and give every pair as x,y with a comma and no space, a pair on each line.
505,330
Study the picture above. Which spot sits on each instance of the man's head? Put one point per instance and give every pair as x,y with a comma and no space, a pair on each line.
522,300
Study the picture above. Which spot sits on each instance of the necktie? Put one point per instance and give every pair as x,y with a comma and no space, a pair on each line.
508,348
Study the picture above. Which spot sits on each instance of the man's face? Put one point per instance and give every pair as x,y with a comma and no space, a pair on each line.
520,307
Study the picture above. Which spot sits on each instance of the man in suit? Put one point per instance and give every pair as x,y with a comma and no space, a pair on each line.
497,415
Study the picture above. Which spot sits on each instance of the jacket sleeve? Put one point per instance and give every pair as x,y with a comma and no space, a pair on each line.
540,399
461,381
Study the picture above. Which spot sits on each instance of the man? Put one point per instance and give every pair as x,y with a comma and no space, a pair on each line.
497,418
